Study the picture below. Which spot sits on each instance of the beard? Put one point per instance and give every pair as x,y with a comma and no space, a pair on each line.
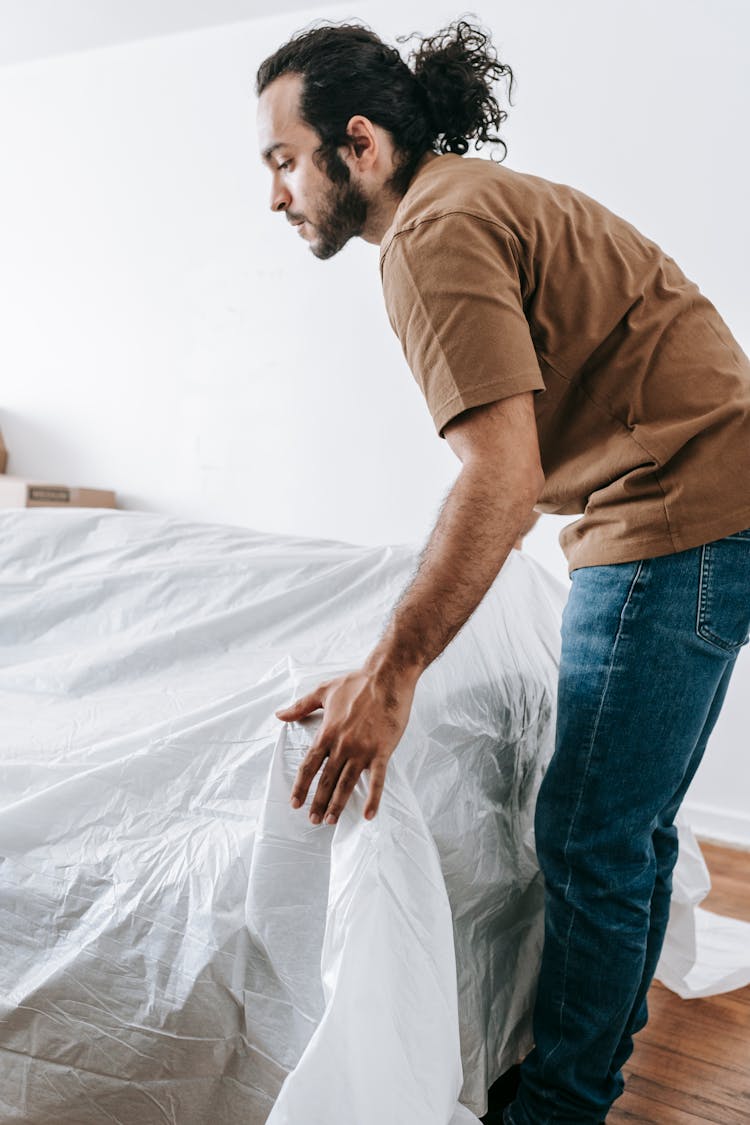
343,212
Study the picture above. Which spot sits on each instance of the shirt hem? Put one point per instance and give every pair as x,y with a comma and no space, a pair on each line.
633,550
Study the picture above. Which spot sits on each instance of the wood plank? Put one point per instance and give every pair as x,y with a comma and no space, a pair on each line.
729,869
642,1103
707,1040
725,1015
691,1084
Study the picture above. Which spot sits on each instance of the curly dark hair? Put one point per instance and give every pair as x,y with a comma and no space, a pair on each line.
438,104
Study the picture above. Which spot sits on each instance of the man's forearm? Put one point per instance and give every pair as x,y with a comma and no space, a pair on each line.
479,523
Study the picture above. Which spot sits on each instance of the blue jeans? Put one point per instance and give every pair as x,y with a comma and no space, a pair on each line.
648,648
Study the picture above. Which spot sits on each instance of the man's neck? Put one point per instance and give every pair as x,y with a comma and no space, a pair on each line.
382,210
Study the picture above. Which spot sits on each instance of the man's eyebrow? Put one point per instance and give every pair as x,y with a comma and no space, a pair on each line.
268,152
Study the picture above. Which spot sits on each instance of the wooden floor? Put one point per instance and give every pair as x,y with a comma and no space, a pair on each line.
691,1063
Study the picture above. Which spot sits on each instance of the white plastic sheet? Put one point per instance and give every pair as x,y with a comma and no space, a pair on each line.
704,953
177,945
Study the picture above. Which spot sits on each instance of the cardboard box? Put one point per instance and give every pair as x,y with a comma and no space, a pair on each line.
19,492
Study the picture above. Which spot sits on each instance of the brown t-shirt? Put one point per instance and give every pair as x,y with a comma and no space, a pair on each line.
498,282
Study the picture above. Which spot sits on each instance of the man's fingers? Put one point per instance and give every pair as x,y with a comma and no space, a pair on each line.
343,791
335,787
303,706
305,774
326,785
377,781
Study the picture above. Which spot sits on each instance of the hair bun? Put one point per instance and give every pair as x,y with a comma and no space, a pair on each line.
456,69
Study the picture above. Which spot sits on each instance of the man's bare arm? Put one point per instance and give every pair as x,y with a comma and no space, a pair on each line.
489,506
366,711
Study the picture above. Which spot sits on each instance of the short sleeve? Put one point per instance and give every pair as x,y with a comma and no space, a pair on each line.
452,291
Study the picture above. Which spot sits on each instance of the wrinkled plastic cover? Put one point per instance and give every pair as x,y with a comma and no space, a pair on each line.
704,953
178,945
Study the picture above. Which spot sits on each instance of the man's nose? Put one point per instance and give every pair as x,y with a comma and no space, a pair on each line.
280,198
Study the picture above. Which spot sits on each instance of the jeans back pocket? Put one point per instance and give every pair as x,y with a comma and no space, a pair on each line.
723,617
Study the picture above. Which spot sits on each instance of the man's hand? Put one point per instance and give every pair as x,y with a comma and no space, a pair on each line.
487,509
366,713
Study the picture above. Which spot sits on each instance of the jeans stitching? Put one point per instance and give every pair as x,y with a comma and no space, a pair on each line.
702,574
701,627
594,732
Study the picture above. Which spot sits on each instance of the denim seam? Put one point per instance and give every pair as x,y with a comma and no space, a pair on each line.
592,740
701,627
700,609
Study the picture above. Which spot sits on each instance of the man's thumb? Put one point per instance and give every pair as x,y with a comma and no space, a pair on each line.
300,707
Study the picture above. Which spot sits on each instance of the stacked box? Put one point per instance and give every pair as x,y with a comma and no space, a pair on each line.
19,492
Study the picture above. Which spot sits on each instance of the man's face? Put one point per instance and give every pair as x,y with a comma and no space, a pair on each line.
326,214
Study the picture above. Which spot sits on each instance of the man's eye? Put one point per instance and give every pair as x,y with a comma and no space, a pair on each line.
284,165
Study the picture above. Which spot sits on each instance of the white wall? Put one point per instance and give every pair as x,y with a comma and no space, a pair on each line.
34,29
165,335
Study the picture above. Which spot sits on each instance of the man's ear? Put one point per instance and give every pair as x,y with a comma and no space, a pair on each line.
362,138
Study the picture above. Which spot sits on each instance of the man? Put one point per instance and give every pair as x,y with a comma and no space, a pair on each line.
572,368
